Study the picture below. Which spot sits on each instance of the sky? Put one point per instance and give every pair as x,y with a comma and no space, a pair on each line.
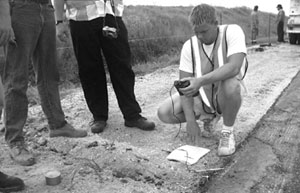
263,5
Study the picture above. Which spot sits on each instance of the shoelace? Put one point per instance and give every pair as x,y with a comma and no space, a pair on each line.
21,147
225,139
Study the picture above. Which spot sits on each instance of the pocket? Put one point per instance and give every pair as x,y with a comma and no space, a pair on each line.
17,4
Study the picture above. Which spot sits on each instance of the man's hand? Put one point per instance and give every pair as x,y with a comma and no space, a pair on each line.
6,31
192,89
193,133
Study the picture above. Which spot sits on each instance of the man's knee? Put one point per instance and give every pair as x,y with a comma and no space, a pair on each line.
230,87
163,114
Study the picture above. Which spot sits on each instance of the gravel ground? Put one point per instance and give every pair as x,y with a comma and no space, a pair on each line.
129,160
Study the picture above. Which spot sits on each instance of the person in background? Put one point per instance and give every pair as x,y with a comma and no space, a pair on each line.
7,183
97,26
280,23
254,25
31,36
211,61
1,105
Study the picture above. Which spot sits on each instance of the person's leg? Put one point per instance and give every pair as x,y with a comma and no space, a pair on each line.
1,105
44,62
10,183
170,111
87,49
280,32
1,98
118,56
255,32
15,78
229,102
253,36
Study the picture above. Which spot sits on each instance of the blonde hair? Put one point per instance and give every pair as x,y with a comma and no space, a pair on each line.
203,13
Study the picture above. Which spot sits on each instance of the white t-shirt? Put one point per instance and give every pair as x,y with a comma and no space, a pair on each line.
235,41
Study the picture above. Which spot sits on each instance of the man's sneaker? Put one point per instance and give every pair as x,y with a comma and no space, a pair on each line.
20,154
98,126
141,123
67,131
10,183
226,144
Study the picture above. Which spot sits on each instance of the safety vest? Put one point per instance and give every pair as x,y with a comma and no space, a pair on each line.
203,64
86,10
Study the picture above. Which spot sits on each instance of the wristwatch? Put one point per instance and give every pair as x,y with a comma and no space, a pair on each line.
59,21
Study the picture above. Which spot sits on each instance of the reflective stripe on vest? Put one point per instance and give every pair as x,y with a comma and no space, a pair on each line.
219,58
85,10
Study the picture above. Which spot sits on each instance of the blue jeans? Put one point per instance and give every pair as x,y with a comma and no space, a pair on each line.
34,28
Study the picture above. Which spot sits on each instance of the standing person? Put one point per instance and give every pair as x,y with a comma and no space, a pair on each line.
254,24
97,26
211,61
33,25
7,183
280,23
1,103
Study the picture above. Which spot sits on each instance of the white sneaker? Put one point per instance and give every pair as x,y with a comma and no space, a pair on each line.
226,144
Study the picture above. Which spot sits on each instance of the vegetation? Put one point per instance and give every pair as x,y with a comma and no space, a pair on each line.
156,35
169,27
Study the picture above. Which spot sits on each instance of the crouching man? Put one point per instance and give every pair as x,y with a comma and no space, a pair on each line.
212,63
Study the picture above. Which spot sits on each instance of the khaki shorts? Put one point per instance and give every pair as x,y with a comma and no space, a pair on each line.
204,112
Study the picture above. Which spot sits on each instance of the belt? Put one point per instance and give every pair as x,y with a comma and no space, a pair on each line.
34,1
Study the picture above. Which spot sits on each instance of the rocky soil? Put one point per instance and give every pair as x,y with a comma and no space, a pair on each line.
129,160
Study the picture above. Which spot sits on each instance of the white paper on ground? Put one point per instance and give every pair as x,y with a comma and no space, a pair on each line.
187,154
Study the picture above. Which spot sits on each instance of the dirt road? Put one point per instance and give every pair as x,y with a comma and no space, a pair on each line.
269,159
132,161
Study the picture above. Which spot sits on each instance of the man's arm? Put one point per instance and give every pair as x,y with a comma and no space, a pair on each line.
187,102
228,70
6,31
192,127
59,9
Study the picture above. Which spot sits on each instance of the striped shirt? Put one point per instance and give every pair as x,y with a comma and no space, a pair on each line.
85,10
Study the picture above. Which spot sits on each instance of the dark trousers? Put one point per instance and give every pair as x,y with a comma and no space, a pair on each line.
280,32
88,43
